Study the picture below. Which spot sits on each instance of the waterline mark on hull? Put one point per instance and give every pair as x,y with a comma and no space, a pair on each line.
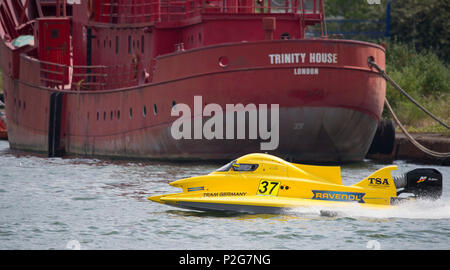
229,124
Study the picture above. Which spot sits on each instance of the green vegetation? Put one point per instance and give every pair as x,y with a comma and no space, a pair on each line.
417,54
426,79
351,9
423,24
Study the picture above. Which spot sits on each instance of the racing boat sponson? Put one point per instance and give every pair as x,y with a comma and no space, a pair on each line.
262,183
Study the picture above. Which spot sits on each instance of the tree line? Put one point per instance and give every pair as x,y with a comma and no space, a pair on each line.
423,24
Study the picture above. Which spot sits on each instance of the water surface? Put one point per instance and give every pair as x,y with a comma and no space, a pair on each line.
59,203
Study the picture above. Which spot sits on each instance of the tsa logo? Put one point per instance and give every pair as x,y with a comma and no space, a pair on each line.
379,182
373,2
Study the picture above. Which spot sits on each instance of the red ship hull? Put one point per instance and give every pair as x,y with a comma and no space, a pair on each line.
328,111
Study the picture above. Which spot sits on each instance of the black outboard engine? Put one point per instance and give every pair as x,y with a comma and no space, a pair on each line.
423,183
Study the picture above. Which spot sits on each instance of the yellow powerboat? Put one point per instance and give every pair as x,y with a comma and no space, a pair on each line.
262,183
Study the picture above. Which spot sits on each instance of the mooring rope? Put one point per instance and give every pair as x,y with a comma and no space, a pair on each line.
411,139
385,76
397,121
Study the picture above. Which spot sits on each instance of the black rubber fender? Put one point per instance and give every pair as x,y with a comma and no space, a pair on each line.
384,140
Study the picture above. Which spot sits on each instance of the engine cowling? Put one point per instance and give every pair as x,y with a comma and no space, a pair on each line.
422,182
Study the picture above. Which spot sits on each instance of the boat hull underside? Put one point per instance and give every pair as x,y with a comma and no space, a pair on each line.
262,204
232,208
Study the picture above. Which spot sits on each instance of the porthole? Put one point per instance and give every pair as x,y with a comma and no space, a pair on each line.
104,115
111,115
98,116
155,109
118,114
144,111
223,61
131,113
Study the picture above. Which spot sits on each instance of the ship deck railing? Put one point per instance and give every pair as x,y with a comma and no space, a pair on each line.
86,77
140,11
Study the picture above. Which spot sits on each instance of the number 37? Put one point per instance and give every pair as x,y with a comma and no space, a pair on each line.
268,188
